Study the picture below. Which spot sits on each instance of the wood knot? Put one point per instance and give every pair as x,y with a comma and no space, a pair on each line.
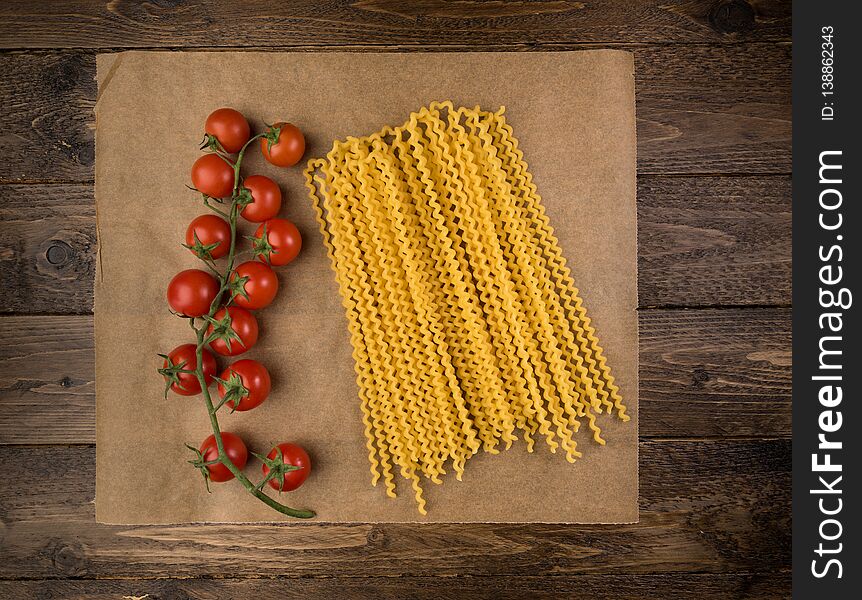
375,535
732,16
59,253
64,74
68,559
699,377
86,151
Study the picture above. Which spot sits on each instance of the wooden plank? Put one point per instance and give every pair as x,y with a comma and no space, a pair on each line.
714,240
714,110
47,248
49,387
702,373
47,118
715,372
86,24
701,109
763,586
702,241
706,506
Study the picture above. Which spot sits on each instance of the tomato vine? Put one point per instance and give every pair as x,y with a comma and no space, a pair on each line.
207,329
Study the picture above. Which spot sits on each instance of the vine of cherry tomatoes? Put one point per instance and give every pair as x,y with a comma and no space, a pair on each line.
218,301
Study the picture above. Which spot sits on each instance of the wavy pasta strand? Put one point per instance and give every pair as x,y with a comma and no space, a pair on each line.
468,331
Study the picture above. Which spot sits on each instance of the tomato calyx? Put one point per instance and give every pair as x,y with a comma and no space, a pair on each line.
234,392
243,198
272,134
260,246
277,468
202,251
172,373
200,463
237,287
210,142
222,330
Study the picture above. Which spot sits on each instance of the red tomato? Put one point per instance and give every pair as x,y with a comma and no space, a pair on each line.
291,455
212,176
267,199
186,384
289,148
229,127
210,230
191,292
248,374
260,287
283,242
236,324
235,449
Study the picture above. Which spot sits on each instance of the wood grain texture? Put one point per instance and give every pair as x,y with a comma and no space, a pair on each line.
597,587
47,248
706,506
715,372
47,118
714,241
89,24
699,111
686,226
48,391
705,110
702,373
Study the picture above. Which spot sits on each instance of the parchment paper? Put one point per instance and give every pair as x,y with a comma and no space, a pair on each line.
573,113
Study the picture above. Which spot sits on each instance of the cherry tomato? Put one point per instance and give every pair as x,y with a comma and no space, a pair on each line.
283,242
251,375
212,176
229,127
209,230
289,148
235,449
291,455
191,292
267,199
261,286
242,323
184,356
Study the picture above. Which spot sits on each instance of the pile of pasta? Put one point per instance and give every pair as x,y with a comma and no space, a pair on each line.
468,332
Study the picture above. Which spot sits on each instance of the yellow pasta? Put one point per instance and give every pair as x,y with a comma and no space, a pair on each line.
467,329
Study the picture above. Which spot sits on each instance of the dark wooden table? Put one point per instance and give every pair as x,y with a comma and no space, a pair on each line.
713,102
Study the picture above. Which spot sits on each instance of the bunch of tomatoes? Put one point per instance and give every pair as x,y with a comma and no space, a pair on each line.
220,302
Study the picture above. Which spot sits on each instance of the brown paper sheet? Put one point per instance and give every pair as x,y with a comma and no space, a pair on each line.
573,113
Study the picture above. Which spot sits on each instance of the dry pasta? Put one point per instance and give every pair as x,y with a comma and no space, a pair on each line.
467,329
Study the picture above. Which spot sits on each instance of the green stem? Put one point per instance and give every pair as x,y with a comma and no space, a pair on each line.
202,340
216,210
